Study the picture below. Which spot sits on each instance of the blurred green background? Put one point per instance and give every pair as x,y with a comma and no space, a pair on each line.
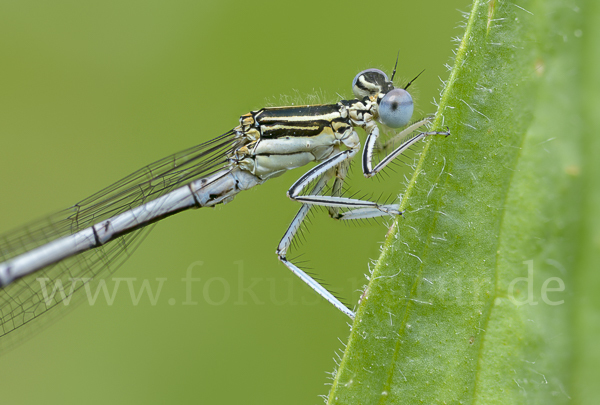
91,91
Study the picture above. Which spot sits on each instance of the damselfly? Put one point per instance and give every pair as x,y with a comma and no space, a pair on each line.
92,238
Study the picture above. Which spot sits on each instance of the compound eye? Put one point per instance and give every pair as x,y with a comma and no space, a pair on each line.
396,108
370,82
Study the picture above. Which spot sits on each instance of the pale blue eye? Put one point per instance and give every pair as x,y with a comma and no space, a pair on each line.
396,108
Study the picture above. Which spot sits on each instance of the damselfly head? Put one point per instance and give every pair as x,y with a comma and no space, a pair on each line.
370,82
395,105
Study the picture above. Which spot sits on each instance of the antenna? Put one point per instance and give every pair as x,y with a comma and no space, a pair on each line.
411,82
394,72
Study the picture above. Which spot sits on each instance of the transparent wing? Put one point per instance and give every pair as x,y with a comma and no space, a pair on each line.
25,300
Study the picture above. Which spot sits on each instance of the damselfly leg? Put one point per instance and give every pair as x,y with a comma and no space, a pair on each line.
337,167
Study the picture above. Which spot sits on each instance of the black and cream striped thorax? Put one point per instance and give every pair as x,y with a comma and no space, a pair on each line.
276,139
306,120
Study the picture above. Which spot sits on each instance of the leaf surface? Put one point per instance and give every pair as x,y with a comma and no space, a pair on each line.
471,299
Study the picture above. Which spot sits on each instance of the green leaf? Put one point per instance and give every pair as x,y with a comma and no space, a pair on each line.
472,298
586,280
